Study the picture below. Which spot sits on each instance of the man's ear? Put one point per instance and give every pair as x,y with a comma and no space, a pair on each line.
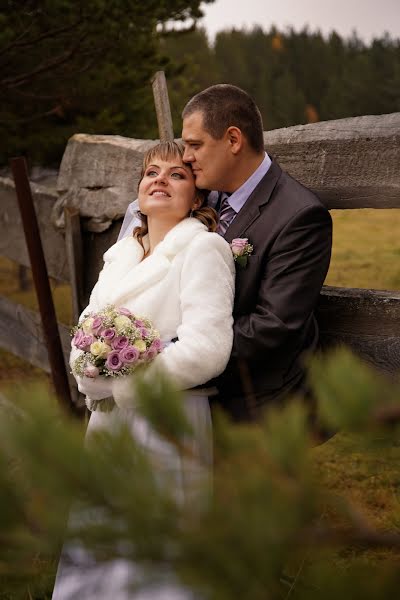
235,138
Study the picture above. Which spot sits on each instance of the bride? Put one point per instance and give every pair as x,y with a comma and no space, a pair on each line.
176,271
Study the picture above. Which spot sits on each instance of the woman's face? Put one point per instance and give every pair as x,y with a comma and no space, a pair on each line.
167,190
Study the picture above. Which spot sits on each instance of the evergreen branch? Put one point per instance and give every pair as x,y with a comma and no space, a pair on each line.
44,67
47,34
53,111
16,42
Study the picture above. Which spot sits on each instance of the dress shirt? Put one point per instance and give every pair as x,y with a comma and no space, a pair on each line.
238,198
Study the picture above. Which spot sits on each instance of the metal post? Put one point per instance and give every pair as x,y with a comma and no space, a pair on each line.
163,109
41,280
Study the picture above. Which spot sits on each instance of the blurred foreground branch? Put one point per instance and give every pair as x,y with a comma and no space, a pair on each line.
272,523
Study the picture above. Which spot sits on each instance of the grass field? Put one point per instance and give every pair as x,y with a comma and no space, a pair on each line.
366,254
366,249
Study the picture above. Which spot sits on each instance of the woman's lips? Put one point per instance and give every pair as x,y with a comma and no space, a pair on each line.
159,193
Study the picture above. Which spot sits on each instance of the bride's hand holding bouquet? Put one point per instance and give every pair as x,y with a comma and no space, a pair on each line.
110,343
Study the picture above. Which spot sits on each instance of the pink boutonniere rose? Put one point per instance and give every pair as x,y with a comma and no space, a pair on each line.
241,250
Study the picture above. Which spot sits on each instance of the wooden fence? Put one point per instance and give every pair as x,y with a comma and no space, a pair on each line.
349,163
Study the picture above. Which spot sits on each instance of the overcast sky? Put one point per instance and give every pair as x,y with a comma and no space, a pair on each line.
368,17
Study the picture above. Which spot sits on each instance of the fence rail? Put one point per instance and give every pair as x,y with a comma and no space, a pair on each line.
350,163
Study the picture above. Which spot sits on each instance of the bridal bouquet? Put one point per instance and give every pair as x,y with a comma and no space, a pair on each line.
114,342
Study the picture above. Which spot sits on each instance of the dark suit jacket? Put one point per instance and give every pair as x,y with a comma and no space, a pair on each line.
276,292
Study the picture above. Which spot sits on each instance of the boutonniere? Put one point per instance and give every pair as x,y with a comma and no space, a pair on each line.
241,250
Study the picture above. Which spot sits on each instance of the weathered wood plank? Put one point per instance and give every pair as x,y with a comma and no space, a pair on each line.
99,175
163,110
73,244
21,334
368,321
349,163
12,241
381,352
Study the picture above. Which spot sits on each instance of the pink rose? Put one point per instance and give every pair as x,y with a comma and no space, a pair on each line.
108,334
120,342
129,355
143,332
238,245
113,361
124,311
150,354
76,340
156,344
139,323
91,371
97,325
85,341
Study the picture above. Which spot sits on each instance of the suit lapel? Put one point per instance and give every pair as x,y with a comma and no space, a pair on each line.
250,211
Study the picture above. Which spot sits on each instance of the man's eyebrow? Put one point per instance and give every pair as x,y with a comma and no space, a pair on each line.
173,167
190,141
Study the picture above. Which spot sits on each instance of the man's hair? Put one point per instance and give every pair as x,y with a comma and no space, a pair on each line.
226,105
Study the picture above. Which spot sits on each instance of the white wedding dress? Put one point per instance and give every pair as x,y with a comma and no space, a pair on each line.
79,577
185,287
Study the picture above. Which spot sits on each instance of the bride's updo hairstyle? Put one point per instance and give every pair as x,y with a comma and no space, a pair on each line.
169,151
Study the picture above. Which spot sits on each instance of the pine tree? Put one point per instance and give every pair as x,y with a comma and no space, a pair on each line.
270,529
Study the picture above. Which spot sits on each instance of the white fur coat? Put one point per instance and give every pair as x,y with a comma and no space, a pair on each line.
186,288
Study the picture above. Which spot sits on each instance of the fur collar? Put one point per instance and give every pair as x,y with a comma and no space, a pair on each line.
126,274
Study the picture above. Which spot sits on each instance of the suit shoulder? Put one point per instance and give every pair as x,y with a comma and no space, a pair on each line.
297,194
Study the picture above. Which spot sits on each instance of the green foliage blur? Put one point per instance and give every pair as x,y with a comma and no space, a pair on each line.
68,67
270,529
295,77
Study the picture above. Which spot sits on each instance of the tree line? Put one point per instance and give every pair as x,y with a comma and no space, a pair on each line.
86,67
295,77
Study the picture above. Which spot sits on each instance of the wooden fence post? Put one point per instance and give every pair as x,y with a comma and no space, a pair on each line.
163,109
41,280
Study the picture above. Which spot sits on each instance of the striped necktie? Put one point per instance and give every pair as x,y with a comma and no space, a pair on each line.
226,214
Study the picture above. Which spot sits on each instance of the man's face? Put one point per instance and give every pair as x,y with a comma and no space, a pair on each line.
211,159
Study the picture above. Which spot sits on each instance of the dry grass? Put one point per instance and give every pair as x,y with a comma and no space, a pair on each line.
366,249
13,368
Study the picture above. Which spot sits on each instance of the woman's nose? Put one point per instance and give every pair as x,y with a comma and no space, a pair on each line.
161,177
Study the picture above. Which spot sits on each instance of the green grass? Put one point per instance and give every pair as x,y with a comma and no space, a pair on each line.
366,254
366,249
13,368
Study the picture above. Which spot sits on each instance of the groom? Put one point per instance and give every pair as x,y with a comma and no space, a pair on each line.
291,234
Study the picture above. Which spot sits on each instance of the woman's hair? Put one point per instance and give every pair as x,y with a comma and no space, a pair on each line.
168,151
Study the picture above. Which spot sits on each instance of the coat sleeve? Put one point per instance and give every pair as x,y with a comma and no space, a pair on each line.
205,333
294,274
